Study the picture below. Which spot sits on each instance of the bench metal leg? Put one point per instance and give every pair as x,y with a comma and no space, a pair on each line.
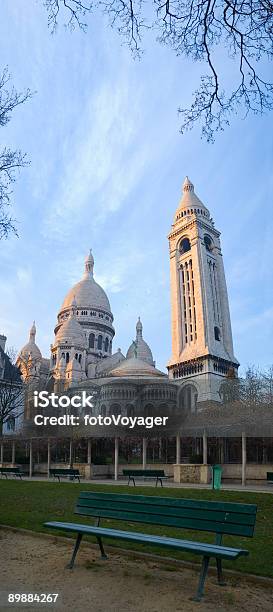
76,548
202,578
102,551
220,576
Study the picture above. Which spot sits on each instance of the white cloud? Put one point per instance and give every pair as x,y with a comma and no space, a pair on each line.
95,181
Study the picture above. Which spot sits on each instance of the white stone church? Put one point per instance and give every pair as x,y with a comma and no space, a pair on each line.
202,347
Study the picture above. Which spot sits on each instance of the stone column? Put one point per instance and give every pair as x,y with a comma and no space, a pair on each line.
71,454
144,453
178,449
2,452
243,459
13,452
48,457
30,459
89,457
205,448
116,458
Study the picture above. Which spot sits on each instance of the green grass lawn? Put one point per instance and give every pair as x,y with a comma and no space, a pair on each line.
29,504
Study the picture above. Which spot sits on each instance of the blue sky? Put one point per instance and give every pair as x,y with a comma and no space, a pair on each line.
107,165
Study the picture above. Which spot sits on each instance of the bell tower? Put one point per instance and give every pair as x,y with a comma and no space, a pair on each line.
202,347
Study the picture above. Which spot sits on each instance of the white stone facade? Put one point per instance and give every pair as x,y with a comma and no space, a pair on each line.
202,347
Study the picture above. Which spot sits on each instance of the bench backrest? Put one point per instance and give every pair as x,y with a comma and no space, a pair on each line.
64,471
217,517
10,469
151,473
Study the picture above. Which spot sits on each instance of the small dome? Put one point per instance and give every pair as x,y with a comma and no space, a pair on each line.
134,367
31,349
71,332
139,348
87,293
189,200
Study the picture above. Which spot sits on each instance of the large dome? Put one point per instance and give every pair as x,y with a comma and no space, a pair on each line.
87,293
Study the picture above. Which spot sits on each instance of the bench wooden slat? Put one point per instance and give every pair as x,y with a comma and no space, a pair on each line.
194,524
156,501
145,473
220,517
169,511
194,547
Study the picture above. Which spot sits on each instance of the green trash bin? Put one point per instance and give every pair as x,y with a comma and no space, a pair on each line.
216,476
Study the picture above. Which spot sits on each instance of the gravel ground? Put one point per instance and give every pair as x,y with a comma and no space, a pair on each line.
37,565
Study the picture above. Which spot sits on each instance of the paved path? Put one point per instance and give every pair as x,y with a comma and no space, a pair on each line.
168,484
31,564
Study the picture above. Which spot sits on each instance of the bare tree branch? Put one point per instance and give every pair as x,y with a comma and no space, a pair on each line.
198,30
10,161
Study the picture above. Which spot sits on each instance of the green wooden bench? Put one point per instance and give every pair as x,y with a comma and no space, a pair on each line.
11,471
64,473
217,517
159,475
269,477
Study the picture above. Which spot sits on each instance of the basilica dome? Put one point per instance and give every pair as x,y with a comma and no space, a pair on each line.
87,293
139,348
93,319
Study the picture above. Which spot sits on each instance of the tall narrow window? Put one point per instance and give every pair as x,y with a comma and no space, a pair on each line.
99,342
217,334
91,340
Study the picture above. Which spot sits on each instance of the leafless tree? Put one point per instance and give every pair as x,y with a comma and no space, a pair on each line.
11,390
10,160
212,32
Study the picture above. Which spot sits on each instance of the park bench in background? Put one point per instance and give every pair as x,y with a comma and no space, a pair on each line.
217,517
269,477
64,473
11,471
158,475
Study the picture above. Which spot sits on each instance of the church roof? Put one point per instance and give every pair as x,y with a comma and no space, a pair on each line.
190,201
134,367
87,292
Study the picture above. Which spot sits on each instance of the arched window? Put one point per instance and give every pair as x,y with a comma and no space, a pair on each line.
217,334
208,243
80,358
99,342
106,344
91,340
115,409
188,399
67,357
184,246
